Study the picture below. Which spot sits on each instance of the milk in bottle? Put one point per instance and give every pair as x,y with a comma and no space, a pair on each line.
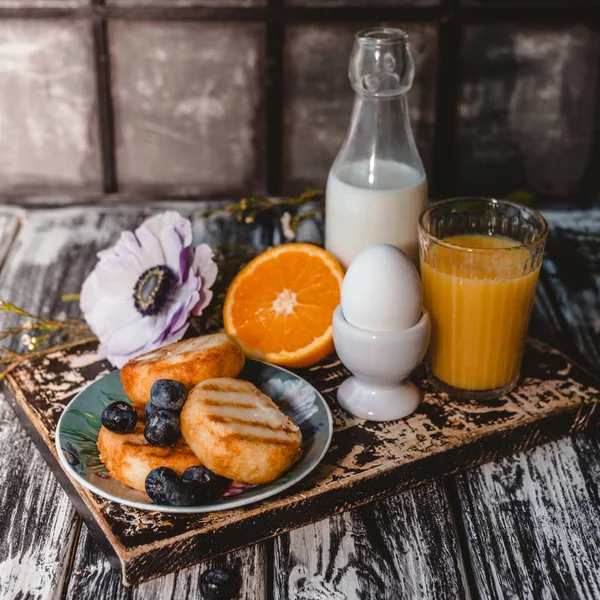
377,187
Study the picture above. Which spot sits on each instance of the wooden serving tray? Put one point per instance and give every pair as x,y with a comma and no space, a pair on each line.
366,461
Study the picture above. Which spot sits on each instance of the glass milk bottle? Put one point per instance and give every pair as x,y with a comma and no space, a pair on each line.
377,188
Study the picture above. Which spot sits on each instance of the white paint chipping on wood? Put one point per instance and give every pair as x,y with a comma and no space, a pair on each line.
37,522
576,301
53,252
404,546
533,524
92,572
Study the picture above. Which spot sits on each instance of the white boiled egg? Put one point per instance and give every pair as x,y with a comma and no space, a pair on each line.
382,290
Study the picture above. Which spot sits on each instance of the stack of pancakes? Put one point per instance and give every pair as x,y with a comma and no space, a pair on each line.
227,424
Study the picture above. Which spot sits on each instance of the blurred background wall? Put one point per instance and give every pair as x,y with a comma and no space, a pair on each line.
154,98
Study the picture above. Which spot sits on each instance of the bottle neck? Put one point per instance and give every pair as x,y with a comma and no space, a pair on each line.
379,130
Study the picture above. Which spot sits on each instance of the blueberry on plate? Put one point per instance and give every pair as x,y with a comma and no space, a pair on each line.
168,394
162,428
207,485
218,584
149,408
165,487
119,417
158,483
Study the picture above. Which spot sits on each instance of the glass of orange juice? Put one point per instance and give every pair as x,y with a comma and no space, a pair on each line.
480,261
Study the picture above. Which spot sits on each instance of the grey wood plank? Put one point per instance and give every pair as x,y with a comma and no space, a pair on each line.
402,547
532,520
92,574
37,528
571,283
10,219
51,255
533,525
37,522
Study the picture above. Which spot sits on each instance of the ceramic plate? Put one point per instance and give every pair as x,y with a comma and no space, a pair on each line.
78,428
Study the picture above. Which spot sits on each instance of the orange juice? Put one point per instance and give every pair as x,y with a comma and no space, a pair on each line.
479,303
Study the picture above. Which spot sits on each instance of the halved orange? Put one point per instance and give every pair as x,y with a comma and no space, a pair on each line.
279,307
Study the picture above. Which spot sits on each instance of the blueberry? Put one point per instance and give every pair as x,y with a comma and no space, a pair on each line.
207,485
162,428
164,487
168,394
119,417
218,584
149,409
158,482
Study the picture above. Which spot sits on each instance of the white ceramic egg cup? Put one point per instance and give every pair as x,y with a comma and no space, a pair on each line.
380,361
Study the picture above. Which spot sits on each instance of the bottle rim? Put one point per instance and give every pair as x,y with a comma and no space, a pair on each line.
381,36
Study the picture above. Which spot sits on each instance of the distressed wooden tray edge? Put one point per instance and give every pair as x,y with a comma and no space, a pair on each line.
192,548
381,485
75,492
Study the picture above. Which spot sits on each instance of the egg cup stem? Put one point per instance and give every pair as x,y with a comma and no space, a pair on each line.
381,362
376,403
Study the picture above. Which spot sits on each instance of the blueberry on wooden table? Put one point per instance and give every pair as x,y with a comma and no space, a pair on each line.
207,485
168,394
119,417
164,486
218,584
162,428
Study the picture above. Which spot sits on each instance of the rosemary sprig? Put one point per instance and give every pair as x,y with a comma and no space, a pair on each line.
247,209
35,332
41,322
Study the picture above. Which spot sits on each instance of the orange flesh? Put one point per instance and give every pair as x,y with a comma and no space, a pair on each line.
280,306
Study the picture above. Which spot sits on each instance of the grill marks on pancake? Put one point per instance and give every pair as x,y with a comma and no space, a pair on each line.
246,413
210,402
218,419
223,387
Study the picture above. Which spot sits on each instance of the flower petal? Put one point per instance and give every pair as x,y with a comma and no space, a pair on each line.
170,220
204,265
109,318
173,250
204,300
107,293
152,251
179,310
133,338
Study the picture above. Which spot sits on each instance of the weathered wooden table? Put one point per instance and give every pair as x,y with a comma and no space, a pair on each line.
523,527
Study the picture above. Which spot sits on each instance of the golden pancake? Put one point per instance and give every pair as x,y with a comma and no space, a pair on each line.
129,457
189,362
238,432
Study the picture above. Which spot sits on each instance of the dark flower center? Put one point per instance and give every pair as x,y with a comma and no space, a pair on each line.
152,289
